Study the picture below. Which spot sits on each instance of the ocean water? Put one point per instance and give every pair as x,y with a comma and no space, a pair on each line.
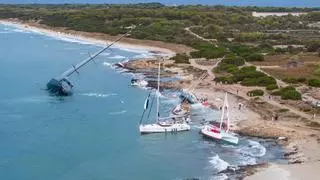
283,3
93,134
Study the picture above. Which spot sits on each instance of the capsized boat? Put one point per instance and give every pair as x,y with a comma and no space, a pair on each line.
221,131
61,86
162,125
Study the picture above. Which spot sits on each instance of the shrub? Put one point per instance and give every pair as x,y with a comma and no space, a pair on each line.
224,67
271,87
314,82
235,60
283,110
181,58
290,80
256,92
255,57
301,80
291,94
207,50
288,92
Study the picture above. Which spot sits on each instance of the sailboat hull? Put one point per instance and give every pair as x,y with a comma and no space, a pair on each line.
157,128
59,88
215,133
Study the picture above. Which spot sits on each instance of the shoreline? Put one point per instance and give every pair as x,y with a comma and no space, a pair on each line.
99,39
300,142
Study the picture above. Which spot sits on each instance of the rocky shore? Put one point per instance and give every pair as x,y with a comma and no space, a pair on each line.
253,119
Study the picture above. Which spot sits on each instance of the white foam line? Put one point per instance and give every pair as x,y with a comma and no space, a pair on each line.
218,163
86,40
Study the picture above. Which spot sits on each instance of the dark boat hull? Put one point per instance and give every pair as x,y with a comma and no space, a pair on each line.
59,88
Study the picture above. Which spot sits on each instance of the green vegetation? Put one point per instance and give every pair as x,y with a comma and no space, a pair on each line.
283,110
292,80
271,87
314,82
256,92
156,21
247,76
181,58
234,60
241,37
209,51
317,71
255,57
288,93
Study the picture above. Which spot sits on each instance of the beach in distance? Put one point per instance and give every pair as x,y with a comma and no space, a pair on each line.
256,76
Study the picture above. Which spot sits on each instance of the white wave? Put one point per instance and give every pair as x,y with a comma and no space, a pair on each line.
20,30
117,112
117,57
218,163
98,95
107,64
219,177
144,55
247,160
254,149
4,32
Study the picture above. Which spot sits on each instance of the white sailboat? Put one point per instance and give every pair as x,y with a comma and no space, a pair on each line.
162,125
221,131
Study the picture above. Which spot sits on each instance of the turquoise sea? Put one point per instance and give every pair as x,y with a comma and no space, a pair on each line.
93,134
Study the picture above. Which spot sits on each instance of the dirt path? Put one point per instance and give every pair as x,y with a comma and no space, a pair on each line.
209,69
211,41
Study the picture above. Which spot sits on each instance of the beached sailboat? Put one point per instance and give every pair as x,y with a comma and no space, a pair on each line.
221,131
61,86
189,96
162,125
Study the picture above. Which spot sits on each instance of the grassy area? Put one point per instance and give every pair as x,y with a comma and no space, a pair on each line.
305,72
284,59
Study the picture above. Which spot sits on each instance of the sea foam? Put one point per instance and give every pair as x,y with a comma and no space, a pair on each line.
98,95
218,163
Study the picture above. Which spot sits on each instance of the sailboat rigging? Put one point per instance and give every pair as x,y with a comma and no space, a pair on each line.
221,131
162,125
61,86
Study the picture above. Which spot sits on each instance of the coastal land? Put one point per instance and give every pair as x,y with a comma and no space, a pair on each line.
293,123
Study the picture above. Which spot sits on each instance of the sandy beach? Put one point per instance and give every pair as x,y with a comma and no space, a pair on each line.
254,118
155,47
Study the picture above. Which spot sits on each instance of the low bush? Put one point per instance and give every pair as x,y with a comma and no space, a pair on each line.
181,58
224,67
314,82
271,87
291,94
255,57
256,92
288,92
294,80
234,60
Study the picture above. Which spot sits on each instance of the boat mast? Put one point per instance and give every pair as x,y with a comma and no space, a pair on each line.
228,119
158,92
223,108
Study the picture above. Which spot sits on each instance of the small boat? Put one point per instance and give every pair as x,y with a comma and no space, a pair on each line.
220,131
162,125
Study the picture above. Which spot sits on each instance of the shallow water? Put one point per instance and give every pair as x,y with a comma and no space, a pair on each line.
93,134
